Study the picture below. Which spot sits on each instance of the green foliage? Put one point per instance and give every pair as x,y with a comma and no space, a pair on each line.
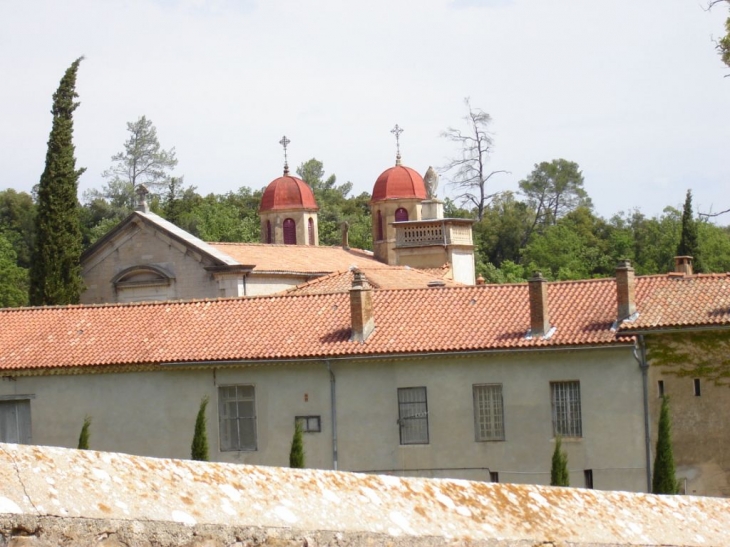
55,275
199,447
723,45
85,434
17,222
296,454
664,480
559,475
704,354
143,161
13,278
689,244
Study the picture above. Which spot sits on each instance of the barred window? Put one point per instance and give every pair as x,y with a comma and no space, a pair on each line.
413,415
15,421
488,412
237,417
566,409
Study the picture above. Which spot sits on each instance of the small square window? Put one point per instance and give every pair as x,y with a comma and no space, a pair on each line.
494,476
310,424
698,390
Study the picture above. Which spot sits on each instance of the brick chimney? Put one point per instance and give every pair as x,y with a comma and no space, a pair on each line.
361,308
683,264
539,312
345,235
625,289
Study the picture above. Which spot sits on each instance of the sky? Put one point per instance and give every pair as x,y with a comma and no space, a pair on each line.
633,91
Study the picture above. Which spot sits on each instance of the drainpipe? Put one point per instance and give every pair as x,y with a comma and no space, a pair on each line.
644,366
333,410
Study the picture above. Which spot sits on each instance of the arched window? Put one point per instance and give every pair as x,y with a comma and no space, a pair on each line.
311,231
290,232
401,215
380,226
268,232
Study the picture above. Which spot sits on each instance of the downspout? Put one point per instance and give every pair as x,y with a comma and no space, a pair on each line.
333,410
644,366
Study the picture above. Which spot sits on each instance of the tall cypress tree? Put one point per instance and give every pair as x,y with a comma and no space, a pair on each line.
689,241
663,479
296,454
55,274
559,475
199,446
85,434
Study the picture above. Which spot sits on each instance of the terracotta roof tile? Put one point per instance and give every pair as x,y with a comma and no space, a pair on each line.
297,258
318,325
394,277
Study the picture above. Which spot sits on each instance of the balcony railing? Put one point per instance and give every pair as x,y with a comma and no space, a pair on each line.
439,232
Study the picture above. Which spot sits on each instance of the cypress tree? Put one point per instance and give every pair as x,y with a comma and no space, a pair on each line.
199,448
689,241
296,454
85,434
55,273
559,470
663,478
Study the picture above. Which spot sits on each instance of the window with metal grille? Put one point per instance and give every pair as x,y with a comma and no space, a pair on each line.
566,409
413,415
311,231
488,412
237,417
15,421
401,215
310,424
290,232
268,232
380,226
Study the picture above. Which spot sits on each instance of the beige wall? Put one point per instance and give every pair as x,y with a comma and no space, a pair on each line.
700,424
301,220
384,249
139,245
153,413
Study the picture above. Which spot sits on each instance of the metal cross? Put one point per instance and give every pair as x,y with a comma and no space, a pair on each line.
285,142
397,130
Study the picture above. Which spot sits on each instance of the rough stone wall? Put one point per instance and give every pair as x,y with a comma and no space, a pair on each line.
54,496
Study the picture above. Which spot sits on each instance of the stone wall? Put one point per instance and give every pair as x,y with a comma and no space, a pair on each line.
55,496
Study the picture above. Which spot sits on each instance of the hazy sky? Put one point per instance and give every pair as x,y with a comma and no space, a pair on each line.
631,90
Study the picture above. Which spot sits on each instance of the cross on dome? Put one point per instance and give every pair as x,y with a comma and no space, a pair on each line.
285,142
397,130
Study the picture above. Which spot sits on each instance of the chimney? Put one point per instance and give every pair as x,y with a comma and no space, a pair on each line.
625,289
142,192
345,235
361,308
683,264
539,312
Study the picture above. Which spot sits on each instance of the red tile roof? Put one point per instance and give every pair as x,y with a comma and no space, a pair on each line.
297,258
288,192
399,182
394,277
410,321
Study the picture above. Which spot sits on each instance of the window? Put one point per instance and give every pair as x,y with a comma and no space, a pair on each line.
660,386
310,424
380,226
268,232
237,417
698,391
401,215
566,409
488,412
588,477
311,231
15,421
413,415
290,232
494,476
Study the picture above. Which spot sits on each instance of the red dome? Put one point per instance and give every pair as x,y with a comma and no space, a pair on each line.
288,192
399,182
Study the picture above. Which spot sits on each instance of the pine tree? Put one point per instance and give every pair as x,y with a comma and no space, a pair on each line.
296,454
664,480
689,241
85,434
199,448
55,274
559,471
